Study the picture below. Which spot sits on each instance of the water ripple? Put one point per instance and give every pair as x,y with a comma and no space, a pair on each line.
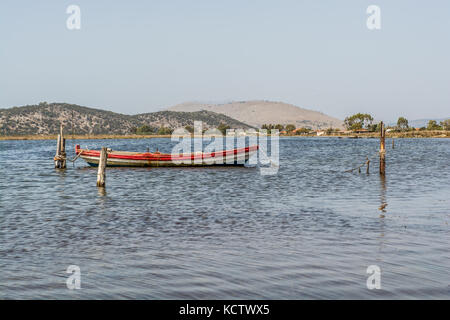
309,232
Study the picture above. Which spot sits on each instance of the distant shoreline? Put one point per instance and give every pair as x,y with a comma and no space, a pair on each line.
400,135
407,134
82,137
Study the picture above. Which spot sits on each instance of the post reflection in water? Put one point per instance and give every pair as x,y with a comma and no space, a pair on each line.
101,191
383,199
382,221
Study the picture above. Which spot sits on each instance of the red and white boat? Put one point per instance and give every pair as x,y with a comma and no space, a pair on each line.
156,159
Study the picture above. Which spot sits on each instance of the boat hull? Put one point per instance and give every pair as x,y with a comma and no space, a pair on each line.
235,157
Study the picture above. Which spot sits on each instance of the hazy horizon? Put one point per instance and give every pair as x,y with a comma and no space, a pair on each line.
147,56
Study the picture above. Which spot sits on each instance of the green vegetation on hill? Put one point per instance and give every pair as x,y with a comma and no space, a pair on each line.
45,118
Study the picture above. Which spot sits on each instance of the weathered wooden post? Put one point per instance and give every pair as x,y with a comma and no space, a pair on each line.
60,157
382,149
63,152
58,151
393,143
101,179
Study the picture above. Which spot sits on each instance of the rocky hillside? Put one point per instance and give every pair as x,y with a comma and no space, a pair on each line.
176,119
45,119
257,113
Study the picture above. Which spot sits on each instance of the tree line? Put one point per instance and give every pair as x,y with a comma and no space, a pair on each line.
364,121
359,121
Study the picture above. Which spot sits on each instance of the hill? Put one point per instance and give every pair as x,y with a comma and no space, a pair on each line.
45,118
256,113
176,119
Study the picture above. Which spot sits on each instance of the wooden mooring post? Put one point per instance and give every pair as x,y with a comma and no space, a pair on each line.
393,147
101,178
60,156
382,149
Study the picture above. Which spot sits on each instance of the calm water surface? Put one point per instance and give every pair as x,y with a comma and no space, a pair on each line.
309,232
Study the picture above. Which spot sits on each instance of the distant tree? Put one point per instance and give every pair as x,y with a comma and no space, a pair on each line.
329,131
279,127
432,125
189,128
145,129
302,130
165,131
373,127
289,127
223,128
358,121
267,127
445,124
402,123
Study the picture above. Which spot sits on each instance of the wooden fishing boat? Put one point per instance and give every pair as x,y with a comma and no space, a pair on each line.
156,159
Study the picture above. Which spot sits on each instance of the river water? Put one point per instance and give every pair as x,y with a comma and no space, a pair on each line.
308,232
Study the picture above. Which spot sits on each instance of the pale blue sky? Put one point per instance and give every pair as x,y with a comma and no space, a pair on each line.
142,56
